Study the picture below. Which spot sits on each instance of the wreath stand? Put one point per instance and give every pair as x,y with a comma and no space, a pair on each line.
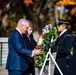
49,57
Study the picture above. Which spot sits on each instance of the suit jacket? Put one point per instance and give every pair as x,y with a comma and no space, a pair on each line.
17,52
31,44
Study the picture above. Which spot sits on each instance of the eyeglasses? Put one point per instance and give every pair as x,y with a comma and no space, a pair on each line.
26,26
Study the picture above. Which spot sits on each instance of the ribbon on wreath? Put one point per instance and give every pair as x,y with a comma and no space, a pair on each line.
45,71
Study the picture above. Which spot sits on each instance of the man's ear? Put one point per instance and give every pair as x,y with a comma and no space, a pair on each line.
21,26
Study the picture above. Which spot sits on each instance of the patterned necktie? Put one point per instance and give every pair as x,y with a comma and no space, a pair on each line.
29,38
22,35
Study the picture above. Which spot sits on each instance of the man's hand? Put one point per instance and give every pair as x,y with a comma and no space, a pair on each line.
37,52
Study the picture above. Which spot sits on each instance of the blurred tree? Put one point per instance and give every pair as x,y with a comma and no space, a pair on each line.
70,6
28,1
41,12
65,4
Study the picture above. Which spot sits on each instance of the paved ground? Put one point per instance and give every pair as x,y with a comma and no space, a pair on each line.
3,71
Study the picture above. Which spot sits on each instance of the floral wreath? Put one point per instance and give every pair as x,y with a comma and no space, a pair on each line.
47,32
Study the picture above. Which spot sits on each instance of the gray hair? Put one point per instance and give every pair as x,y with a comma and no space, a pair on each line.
22,21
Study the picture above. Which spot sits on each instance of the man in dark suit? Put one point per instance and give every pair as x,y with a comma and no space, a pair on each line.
16,60
63,46
31,44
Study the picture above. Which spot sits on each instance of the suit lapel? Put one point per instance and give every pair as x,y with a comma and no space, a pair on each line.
21,36
62,36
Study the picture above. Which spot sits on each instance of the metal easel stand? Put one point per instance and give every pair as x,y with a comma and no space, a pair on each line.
49,57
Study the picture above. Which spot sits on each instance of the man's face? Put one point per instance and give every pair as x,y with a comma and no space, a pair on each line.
25,27
29,31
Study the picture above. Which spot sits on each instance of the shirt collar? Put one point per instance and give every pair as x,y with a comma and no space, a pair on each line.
62,32
18,31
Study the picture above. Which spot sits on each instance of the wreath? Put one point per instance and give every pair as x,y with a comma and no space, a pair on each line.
47,32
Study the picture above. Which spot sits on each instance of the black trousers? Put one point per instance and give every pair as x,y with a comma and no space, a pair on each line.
31,69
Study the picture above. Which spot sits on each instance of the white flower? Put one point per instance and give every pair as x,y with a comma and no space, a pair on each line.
40,41
47,31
